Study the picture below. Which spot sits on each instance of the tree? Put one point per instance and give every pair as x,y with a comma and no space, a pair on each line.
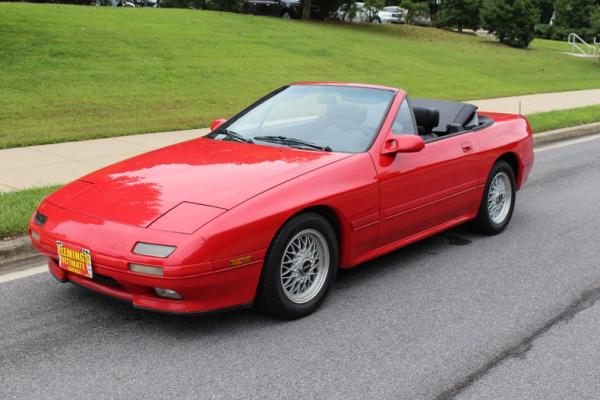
460,14
306,9
546,8
374,4
512,21
576,16
595,24
349,10
417,11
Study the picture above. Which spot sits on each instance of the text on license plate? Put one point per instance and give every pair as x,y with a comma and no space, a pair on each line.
76,260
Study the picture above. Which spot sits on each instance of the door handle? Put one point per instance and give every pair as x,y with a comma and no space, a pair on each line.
467,147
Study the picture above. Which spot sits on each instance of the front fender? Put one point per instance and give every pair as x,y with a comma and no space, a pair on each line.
348,188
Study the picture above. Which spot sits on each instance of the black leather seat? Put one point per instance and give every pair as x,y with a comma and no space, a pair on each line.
426,119
452,115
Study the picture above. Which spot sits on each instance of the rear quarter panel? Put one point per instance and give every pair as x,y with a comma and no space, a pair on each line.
510,134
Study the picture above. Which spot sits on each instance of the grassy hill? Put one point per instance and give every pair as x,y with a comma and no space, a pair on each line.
71,72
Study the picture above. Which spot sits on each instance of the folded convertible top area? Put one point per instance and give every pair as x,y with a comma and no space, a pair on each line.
450,112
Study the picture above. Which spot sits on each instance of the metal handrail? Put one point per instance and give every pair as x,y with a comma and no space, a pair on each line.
590,50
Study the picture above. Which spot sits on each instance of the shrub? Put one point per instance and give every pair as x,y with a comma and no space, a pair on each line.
544,31
552,32
513,21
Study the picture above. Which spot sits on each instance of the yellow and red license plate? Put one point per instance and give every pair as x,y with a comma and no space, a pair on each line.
75,259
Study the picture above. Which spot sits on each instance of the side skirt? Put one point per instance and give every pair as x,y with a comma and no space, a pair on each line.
388,248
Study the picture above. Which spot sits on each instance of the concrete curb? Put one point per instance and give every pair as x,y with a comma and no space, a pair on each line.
18,251
15,253
543,138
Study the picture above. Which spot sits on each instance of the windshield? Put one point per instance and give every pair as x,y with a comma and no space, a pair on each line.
342,118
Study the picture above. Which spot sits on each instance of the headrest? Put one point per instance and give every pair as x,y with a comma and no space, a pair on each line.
426,117
347,112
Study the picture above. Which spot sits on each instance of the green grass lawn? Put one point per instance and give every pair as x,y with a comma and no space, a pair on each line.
74,72
565,118
16,209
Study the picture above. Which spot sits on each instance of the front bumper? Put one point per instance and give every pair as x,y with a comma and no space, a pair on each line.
204,285
203,293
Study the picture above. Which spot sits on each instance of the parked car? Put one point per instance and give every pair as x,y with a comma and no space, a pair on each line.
422,20
366,14
277,8
267,207
392,15
357,13
134,3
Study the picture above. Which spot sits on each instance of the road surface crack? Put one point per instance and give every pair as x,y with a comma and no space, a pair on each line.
583,302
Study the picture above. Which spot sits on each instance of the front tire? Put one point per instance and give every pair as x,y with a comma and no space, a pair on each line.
299,267
498,201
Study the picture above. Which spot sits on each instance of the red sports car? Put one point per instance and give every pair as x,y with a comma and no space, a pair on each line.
264,209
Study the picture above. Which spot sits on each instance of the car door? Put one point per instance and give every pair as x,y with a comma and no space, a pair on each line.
257,7
266,7
422,190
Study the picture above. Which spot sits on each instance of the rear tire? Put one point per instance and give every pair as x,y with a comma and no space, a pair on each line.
299,267
498,201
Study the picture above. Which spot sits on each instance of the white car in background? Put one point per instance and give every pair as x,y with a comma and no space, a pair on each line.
362,13
392,15
367,14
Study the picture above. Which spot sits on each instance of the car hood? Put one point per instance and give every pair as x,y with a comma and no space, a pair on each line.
202,171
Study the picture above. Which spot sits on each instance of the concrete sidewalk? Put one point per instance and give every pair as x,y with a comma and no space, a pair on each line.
542,102
25,167
59,163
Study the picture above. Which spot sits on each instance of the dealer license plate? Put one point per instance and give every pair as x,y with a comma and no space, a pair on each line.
74,259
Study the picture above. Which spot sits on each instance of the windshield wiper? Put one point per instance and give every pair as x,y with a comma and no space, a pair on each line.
292,142
234,135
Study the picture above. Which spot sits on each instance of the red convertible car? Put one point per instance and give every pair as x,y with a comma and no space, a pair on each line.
264,209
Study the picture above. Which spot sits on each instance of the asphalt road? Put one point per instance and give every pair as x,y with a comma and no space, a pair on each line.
457,315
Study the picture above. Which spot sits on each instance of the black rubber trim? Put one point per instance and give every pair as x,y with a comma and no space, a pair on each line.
197,313
106,281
